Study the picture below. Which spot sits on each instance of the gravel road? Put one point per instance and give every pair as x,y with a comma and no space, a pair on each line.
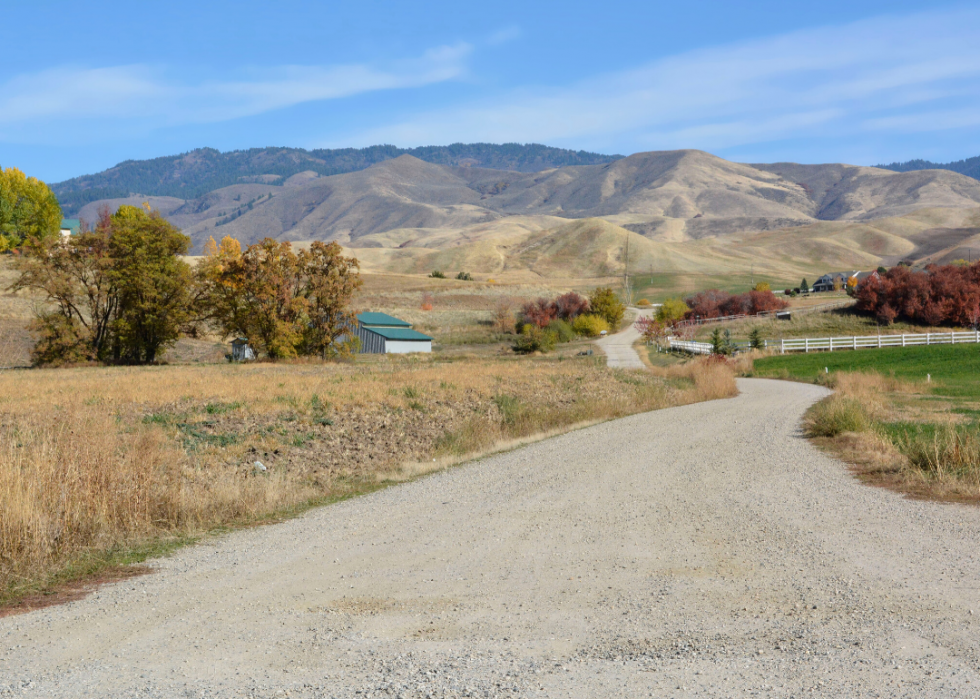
701,551
618,348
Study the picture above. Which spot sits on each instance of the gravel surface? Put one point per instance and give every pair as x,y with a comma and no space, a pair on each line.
618,348
648,556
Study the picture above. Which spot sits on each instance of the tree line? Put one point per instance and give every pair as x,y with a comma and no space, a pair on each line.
122,293
938,295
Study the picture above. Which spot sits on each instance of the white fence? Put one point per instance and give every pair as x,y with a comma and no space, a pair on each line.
830,344
690,346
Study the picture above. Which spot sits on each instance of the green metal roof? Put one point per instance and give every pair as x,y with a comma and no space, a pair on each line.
72,224
399,333
372,319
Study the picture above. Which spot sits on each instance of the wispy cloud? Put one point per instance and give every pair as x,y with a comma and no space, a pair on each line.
145,92
886,73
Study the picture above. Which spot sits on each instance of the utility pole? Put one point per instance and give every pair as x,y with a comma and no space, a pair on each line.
626,273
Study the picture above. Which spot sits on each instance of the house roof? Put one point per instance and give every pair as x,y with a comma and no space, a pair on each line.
72,224
399,334
372,319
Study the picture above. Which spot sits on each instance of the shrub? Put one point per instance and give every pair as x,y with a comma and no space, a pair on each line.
534,339
714,303
762,286
562,330
672,311
643,303
605,303
436,274
465,276
590,325
539,313
832,416
571,305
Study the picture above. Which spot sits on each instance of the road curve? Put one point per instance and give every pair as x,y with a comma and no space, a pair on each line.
706,550
618,348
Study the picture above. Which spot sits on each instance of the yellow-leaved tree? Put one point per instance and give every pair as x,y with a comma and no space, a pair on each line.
28,209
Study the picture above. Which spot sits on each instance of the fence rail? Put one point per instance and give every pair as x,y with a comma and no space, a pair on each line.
765,314
690,346
831,344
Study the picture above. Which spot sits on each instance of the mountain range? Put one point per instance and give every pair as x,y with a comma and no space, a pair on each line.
682,211
189,175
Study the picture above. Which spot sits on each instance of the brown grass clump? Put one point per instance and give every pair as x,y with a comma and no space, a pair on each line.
99,462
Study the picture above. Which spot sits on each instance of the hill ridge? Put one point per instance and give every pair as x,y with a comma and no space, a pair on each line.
194,173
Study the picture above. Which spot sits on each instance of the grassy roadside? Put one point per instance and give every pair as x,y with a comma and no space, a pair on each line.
906,418
102,467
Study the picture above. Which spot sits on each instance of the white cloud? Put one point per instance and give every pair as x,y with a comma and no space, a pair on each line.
141,91
844,80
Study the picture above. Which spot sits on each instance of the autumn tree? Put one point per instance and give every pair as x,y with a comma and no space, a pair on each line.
672,311
119,293
329,283
285,304
28,209
604,303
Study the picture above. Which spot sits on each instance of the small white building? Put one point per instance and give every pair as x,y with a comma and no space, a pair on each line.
381,333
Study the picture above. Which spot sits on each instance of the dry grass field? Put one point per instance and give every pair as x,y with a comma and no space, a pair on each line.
100,466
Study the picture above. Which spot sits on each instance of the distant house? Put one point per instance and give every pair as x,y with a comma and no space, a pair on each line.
70,227
381,333
827,281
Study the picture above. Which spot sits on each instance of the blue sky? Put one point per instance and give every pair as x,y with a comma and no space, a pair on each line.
86,85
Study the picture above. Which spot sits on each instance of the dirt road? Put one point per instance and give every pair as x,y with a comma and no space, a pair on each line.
703,551
618,348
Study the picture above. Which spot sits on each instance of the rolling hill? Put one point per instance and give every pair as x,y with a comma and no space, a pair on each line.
684,211
193,174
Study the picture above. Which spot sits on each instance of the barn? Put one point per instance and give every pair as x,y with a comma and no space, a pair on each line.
381,333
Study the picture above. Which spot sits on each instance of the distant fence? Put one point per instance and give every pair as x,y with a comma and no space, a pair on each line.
766,314
830,344
705,347
690,346
836,344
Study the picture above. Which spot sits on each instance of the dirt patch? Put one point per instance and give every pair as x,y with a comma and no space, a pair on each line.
72,591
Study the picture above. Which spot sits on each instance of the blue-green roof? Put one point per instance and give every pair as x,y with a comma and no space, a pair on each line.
71,224
399,334
383,319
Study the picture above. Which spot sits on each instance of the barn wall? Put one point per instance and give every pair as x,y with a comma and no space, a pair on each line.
371,343
406,346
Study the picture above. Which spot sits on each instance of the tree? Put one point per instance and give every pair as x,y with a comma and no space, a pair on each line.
120,293
762,286
152,283
28,209
604,303
672,311
755,339
285,304
330,280
804,286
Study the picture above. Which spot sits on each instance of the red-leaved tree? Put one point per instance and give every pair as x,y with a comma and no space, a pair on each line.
939,295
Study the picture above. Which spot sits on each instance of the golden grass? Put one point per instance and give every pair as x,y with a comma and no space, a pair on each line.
934,456
96,460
